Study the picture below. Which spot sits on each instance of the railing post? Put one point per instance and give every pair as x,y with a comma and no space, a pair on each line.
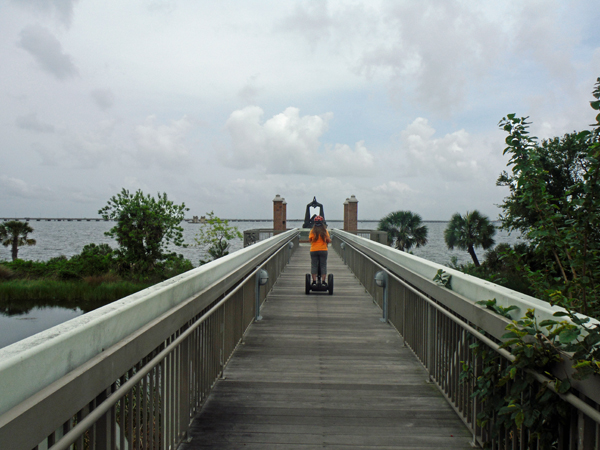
184,388
104,425
290,247
404,306
261,278
381,279
430,340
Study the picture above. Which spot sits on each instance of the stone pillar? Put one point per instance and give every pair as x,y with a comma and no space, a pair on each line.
345,228
352,214
278,218
284,209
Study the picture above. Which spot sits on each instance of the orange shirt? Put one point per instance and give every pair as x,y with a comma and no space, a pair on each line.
317,244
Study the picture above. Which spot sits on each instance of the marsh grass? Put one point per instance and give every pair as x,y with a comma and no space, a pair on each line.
5,273
20,296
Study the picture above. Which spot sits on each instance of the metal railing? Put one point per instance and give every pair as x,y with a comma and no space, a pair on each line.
258,234
373,235
442,328
143,391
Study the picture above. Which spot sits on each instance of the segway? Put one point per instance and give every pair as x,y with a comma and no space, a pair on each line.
318,287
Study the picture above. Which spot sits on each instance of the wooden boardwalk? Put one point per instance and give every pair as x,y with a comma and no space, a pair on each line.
322,371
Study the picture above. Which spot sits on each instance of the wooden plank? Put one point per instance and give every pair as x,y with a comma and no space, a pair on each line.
323,371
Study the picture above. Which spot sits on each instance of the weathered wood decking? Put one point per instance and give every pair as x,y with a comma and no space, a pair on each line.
322,371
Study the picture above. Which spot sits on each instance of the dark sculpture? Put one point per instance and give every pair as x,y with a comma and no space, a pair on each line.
310,221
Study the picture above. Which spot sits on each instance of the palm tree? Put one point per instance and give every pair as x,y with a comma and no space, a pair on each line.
470,231
404,230
15,233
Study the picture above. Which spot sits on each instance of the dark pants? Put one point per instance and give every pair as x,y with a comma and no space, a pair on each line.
315,259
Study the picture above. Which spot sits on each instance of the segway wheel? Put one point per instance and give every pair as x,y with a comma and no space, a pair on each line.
307,284
330,283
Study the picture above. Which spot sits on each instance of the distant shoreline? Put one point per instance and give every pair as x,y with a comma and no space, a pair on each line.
95,219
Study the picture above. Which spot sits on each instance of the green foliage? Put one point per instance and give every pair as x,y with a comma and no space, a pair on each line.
498,309
503,265
404,229
442,278
555,201
215,237
14,234
512,396
469,231
94,259
145,226
175,265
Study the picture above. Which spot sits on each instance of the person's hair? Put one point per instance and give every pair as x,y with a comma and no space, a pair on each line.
320,232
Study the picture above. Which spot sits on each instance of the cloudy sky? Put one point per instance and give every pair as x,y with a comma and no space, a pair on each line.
224,104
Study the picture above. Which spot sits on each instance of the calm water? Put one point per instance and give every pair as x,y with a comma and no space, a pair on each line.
69,238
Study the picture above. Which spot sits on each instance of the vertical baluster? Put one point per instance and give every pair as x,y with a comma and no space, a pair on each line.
51,439
138,410
162,393
170,399
79,418
121,416
146,407
184,396
130,412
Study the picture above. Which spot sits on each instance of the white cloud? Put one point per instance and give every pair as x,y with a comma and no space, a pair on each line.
430,50
15,187
162,6
31,122
104,98
343,161
162,144
393,188
47,51
312,19
289,143
536,37
455,156
88,149
471,61
50,156
249,93
60,9
286,143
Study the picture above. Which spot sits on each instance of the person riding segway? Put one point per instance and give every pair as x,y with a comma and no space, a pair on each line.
319,237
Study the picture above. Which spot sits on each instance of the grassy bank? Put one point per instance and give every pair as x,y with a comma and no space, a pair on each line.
20,296
91,279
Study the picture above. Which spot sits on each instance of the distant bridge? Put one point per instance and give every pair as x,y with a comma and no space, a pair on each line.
54,219
222,357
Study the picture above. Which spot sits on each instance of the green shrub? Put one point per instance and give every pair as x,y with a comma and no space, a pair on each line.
5,273
94,260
